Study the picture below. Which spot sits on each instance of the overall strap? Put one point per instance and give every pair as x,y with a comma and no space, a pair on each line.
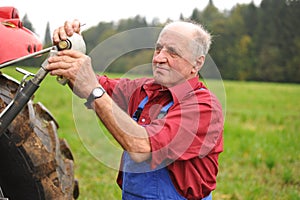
142,104
139,110
162,113
164,110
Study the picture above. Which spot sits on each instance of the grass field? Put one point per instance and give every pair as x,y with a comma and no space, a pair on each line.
261,158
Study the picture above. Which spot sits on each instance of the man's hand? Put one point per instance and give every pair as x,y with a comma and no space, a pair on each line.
68,29
77,68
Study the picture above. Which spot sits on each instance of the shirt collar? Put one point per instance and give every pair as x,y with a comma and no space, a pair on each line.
182,90
178,91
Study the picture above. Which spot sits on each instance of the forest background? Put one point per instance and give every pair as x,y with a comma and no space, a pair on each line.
250,43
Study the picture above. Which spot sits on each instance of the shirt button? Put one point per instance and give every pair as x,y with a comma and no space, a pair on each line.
143,120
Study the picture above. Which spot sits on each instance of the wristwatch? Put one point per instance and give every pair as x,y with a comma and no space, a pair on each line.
95,94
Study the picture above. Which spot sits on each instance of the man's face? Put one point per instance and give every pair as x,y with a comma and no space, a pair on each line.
173,60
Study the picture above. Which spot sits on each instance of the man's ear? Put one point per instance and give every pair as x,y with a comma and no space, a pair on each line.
199,63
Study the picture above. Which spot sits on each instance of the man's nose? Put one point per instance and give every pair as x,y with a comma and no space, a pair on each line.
160,56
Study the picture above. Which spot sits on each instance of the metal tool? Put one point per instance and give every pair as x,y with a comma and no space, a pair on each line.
28,88
25,57
65,44
75,42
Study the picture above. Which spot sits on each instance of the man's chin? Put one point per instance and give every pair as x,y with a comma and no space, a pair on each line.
160,81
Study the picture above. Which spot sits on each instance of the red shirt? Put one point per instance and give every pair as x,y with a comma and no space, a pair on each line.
189,137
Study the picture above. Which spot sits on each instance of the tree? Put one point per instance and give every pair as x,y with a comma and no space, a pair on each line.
27,23
131,23
181,17
292,33
210,14
275,39
94,35
195,15
47,39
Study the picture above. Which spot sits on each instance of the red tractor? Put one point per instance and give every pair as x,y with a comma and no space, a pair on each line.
35,163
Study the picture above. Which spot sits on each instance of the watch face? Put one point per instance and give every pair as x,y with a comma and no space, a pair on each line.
97,92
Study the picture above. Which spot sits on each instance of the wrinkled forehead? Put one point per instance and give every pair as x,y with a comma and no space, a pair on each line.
177,36
170,36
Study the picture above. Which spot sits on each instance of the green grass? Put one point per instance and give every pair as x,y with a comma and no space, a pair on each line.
261,157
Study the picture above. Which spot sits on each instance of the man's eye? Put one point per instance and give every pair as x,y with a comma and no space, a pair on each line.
172,52
158,48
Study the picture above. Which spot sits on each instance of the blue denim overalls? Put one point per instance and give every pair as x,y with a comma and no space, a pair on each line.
140,182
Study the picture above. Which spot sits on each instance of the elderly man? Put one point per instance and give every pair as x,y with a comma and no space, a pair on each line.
170,126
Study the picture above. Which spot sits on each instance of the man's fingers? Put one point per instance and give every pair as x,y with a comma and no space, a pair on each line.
55,37
64,59
70,53
59,34
57,72
76,26
58,64
63,32
68,28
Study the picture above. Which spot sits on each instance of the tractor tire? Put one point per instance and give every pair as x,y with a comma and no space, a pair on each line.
34,163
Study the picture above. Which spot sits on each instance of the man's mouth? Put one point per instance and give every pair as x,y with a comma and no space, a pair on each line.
161,68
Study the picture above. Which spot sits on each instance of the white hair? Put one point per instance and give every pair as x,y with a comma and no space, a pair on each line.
201,36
